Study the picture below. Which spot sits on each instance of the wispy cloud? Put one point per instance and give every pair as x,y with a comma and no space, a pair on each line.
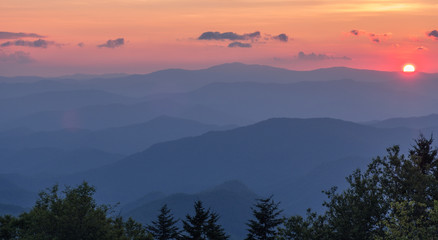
355,32
433,34
16,57
319,57
14,35
281,37
373,37
239,44
245,40
40,43
113,43
81,44
229,36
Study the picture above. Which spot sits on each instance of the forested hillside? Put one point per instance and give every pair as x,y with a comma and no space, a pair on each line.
394,198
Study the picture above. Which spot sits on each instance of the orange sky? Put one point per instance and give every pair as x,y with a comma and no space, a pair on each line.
162,34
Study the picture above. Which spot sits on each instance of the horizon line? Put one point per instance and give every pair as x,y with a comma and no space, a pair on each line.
199,69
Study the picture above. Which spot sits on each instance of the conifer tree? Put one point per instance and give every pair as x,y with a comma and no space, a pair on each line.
267,219
214,230
165,227
195,226
203,225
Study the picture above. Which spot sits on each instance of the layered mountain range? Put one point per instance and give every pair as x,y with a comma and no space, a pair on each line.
226,135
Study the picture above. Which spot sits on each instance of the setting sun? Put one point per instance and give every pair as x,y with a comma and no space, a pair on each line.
409,68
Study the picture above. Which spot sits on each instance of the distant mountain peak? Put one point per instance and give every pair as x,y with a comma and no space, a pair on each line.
418,122
238,66
281,121
231,64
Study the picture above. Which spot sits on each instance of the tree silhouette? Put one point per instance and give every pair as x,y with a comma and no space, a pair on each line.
267,218
70,215
164,228
203,225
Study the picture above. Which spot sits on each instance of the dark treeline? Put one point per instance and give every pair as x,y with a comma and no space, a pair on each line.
73,214
396,197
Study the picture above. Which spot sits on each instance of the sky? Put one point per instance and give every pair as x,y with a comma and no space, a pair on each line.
61,37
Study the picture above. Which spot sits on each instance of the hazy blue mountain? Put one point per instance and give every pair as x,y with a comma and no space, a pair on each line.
229,94
13,108
342,99
267,74
97,116
117,115
20,79
207,114
231,200
306,191
80,76
298,194
294,159
146,199
13,88
15,132
429,121
53,161
262,155
277,156
249,102
12,194
179,80
126,140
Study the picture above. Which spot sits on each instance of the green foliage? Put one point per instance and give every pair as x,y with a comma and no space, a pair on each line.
404,225
72,214
395,198
357,212
412,178
135,231
76,216
267,219
298,228
8,227
164,228
203,225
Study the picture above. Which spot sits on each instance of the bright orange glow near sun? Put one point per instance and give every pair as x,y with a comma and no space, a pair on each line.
409,68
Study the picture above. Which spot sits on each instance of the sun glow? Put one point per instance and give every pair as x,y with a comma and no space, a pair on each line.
409,68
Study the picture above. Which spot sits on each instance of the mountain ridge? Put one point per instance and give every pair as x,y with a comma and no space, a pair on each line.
232,205
126,139
295,147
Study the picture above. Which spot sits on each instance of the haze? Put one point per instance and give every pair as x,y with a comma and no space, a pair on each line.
164,104
379,35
